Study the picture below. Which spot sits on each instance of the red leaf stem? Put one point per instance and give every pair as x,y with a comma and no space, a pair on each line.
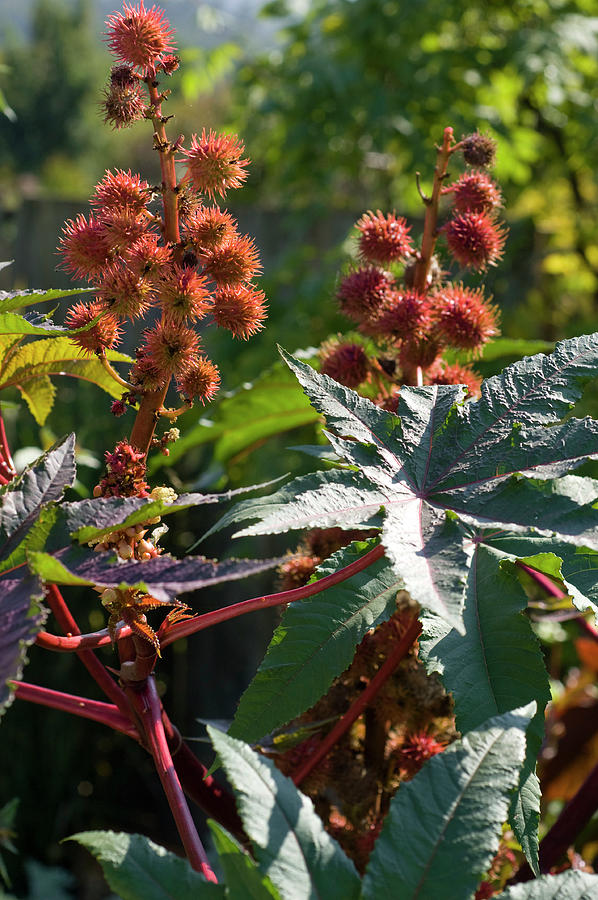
198,623
147,705
93,665
200,787
76,642
545,582
106,713
356,709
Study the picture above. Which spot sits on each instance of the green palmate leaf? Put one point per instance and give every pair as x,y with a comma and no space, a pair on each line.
243,879
163,577
444,827
315,642
571,885
271,405
21,615
87,520
58,356
289,841
495,666
138,869
24,498
496,461
13,300
39,395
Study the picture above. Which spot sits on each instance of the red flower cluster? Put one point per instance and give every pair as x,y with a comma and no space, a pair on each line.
121,247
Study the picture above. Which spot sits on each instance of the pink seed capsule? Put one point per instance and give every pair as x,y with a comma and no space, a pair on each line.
125,551
144,547
131,531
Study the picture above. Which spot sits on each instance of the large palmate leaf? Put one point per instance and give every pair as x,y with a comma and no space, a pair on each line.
315,642
271,405
495,666
444,827
28,367
13,300
495,461
88,520
138,869
26,516
21,616
244,881
25,512
289,841
163,577
570,885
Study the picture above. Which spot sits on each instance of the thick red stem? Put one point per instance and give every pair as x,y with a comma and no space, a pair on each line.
355,710
430,235
543,580
198,623
201,787
5,451
147,705
106,713
77,642
93,665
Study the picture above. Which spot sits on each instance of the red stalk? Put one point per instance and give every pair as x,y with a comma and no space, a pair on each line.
356,709
93,665
147,705
77,642
106,713
5,450
543,580
198,623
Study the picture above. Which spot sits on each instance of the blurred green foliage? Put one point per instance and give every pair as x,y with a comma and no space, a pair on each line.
343,113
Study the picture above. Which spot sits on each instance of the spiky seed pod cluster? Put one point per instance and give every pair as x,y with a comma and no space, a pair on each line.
121,250
414,319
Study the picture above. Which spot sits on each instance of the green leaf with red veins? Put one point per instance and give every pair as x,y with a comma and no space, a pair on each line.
570,885
442,463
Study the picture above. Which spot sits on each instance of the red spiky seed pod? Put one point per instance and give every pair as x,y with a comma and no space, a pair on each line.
123,76
170,347
464,318
346,363
200,380
475,191
441,373
118,408
170,63
297,571
214,163
418,352
383,238
184,295
209,227
84,247
139,36
418,748
233,262
362,293
146,257
146,374
120,191
123,104
122,229
404,314
242,310
101,336
479,150
126,294
475,239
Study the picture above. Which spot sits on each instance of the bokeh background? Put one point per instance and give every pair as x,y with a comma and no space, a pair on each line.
339,103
